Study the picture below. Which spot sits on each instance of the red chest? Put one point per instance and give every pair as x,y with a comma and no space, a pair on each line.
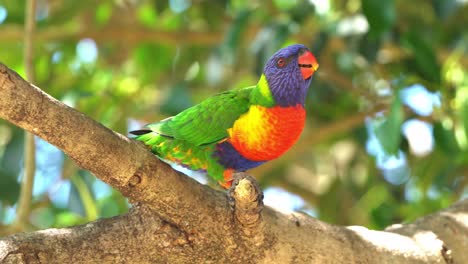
266,133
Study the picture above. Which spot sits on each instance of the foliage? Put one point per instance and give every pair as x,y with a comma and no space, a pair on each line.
386,137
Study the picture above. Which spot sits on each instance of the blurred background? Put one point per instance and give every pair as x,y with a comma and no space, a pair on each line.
386,134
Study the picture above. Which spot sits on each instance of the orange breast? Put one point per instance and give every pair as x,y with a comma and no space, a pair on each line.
264,134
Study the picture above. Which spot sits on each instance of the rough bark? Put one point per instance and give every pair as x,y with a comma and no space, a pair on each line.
176,220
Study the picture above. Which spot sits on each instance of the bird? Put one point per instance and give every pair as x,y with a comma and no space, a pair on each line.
237,130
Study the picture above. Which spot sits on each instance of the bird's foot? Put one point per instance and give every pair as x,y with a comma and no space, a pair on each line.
245,193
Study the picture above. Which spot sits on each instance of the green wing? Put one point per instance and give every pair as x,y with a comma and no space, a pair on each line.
208,121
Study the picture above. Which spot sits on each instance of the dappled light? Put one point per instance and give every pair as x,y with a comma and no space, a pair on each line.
385,136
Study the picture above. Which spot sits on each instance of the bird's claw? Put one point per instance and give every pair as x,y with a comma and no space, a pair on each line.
237,177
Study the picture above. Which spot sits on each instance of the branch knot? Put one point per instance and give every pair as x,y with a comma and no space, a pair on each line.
246,199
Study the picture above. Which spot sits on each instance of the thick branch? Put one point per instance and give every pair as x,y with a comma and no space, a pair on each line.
178,220
139,237
117,160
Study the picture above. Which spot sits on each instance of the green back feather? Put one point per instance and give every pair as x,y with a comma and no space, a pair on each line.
208,121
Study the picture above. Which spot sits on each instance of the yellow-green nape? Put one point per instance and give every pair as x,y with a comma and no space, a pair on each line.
264,88
264,92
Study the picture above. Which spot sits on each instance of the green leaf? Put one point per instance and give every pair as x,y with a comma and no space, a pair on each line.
103,13
151,58
464,117
374,197
445,139
424,55
11,156
381,16
285,4
388,132
66,218
9,187
192,71
108,207
147,15
383,215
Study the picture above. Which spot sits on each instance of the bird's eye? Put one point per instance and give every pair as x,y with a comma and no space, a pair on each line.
281,62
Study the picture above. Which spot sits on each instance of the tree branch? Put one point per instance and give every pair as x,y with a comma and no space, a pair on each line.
175,219
139,237
115,159
111,34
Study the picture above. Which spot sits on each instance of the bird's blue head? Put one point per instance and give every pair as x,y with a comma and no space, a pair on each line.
289,72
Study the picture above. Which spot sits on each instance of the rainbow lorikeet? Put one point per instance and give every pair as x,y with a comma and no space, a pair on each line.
237,130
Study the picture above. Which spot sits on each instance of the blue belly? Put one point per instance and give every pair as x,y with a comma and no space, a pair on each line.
228,156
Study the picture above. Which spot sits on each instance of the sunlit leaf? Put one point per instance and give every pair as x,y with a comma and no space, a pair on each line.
67,218
285,4
464,117
193,71
374,197
103,12
147,15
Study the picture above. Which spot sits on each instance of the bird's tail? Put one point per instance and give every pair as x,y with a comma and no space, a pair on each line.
149,138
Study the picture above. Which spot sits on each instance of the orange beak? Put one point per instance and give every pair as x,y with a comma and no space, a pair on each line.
308,64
